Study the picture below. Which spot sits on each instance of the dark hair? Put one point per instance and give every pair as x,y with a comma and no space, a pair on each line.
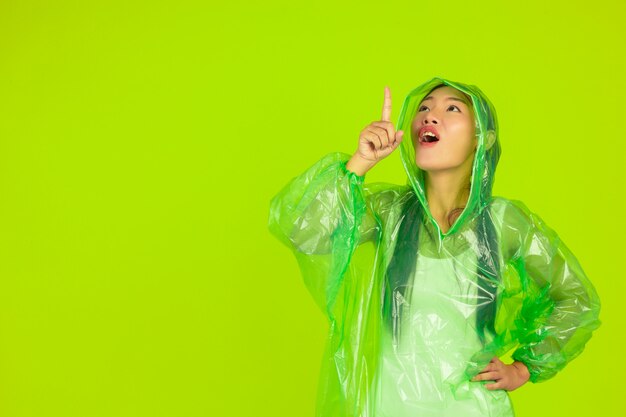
469,99
397,283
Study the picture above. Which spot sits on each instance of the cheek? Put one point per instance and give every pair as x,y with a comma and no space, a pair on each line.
466,144
417,120
415,125
465,131
463,143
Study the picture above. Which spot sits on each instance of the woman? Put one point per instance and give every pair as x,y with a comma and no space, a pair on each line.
426,285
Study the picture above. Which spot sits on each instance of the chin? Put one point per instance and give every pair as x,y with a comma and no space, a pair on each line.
437,165
429,167
427,164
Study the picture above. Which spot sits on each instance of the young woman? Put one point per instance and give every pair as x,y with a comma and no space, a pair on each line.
426,285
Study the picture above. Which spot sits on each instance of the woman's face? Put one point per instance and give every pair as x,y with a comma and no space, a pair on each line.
449,115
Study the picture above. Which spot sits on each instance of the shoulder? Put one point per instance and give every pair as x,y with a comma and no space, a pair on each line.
510,211
384,187
386,200
513,220
385,193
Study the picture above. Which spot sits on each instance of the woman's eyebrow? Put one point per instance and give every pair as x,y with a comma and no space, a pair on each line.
449,98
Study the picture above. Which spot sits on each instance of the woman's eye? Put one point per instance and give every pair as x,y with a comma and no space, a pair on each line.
451,106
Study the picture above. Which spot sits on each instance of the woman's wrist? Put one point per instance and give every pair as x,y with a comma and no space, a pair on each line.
358,165
522,369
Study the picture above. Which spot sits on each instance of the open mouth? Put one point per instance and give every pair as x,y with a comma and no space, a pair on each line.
428,137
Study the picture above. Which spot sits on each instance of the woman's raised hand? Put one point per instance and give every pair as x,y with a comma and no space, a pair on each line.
376,141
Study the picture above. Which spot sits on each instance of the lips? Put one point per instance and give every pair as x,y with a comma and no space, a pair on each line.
428,135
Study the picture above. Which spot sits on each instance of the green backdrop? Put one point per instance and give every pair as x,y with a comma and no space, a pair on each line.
140,143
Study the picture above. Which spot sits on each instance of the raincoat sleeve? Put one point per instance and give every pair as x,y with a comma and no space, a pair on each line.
561,307
322,215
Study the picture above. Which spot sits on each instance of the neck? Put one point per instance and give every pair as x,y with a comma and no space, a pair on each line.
446,190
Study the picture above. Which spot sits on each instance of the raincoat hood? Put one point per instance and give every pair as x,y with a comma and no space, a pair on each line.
485,159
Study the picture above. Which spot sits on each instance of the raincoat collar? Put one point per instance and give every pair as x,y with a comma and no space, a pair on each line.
485,160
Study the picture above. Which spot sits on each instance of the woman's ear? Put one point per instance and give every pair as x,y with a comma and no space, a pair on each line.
490,139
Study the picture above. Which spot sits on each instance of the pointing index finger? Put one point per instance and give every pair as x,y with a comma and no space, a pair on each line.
387,105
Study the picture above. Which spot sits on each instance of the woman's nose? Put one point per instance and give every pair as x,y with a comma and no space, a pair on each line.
431,118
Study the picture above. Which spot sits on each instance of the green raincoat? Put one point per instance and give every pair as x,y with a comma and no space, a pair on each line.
414,313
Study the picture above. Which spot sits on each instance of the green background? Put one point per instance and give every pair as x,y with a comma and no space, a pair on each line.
141,142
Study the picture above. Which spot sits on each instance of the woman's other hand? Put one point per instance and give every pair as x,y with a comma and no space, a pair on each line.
507,377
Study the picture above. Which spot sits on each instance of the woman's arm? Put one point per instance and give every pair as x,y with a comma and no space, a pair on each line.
322,215
306,213
561,307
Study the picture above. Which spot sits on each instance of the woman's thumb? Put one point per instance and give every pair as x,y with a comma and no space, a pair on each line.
399,135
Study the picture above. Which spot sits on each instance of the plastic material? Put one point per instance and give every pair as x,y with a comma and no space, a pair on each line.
415,313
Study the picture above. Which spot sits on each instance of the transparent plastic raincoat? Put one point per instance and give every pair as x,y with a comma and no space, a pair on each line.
414,313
